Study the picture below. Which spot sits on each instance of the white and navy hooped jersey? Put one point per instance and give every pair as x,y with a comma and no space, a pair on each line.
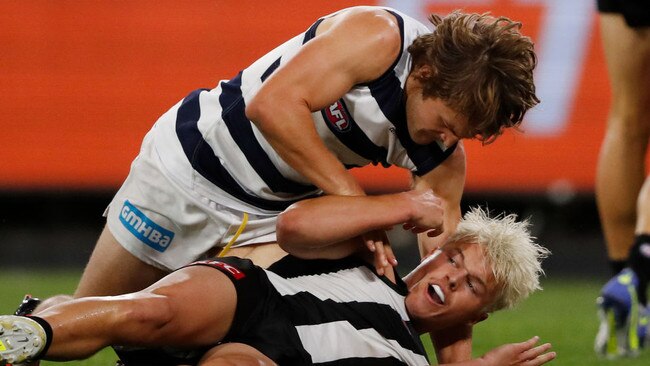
354,317
208,145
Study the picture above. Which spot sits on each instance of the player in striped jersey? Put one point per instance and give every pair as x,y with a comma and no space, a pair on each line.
334,310
365,85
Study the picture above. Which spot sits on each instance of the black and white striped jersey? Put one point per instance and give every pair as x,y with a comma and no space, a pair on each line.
308,312
344,314
206,143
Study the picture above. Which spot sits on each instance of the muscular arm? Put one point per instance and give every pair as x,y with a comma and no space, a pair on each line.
327,227
447,182
325,68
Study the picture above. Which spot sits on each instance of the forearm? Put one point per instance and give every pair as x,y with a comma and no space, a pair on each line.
447,182
327,220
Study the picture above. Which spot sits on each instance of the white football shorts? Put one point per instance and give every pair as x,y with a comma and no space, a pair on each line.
168,226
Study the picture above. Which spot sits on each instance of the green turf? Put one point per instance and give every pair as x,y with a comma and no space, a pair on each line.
563,314
14,285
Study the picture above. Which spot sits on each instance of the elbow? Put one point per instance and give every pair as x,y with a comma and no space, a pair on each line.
259,109
254,110
288,229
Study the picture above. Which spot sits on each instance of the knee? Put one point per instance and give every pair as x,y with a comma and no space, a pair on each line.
630,124
52,301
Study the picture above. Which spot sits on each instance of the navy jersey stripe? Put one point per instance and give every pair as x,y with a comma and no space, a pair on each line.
241,130
205,162
361,315
271,69
311,32
390,96
353,136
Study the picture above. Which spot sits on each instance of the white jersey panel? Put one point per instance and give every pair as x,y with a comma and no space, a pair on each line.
355,284
352,343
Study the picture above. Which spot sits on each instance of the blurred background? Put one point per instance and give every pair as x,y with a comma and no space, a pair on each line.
83,81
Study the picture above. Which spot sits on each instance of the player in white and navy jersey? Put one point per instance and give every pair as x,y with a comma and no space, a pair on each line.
365,85
303,311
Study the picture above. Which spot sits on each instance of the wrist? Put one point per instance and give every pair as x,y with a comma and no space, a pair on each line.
406,203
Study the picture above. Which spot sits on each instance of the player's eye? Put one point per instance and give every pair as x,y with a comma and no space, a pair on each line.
470,284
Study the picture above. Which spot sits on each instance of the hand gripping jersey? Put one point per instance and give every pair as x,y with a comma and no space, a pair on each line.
206,143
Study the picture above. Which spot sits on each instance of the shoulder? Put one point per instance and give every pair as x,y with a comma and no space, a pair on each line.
370,20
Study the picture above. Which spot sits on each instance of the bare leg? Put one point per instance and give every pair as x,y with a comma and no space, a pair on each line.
162,314
52,301
263,255
643,208
621,166
112,270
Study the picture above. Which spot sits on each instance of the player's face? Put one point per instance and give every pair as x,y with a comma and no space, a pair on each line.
457,285
431,119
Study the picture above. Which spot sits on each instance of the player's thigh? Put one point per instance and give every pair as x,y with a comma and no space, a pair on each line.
263,255
627,51
203,302
231,354
112,270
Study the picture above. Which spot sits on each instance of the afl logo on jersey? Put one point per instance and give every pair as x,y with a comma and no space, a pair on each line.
337,116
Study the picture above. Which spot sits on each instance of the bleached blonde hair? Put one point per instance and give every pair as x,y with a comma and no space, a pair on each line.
511,251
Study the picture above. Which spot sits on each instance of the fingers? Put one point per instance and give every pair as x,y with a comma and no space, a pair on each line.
380,258
417,230
435,232
370,244
541,359
377,242
522,346
390,256
535,356
534,352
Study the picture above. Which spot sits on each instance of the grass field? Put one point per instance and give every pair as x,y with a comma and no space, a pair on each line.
563,314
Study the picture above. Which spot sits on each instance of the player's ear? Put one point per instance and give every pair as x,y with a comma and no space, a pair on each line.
423,72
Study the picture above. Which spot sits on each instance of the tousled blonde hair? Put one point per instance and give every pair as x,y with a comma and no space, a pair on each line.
511,251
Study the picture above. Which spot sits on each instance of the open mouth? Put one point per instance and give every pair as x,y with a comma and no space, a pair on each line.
435,292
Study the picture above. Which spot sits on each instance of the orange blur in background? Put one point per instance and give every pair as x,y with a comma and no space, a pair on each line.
82,82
